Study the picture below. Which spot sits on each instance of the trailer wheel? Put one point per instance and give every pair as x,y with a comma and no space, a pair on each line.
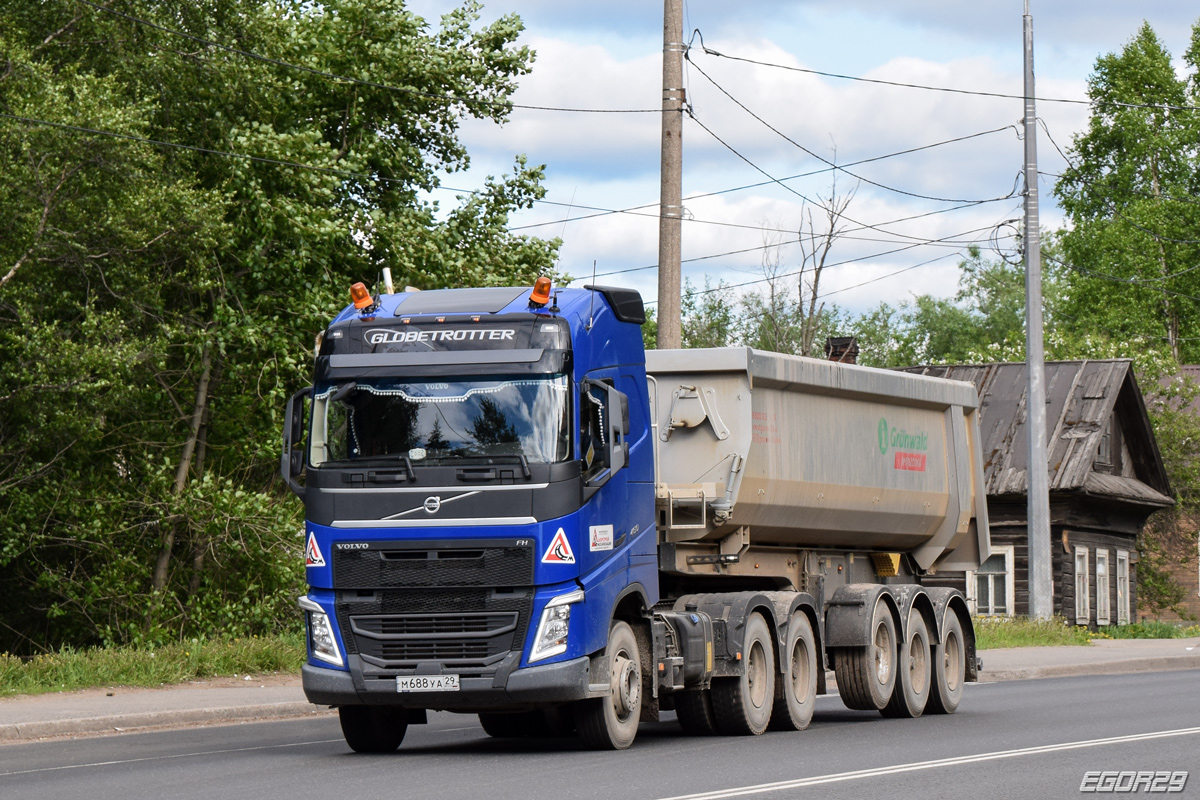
743,704
950,668
610,723
694,709
796,687
915,673
867,675
373,729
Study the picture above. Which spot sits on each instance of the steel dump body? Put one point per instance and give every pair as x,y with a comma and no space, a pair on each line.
811,454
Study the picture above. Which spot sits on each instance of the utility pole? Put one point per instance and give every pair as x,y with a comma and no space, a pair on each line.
671,196
1041,584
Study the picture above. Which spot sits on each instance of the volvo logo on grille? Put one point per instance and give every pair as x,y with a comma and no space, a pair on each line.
353,546
433,504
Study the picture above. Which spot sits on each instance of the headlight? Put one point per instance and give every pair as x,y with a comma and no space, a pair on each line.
551,637
320,632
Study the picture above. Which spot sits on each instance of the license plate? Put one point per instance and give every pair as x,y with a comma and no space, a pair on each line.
427,683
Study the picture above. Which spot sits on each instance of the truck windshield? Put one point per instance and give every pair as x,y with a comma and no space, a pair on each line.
442,420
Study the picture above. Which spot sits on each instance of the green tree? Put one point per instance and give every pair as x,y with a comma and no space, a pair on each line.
709,317
1133,244
158,303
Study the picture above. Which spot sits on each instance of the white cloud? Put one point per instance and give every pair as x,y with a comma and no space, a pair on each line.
607,55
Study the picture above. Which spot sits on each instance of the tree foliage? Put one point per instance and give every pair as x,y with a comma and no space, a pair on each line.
158,303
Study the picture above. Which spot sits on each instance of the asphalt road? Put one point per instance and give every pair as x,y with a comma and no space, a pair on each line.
1025,739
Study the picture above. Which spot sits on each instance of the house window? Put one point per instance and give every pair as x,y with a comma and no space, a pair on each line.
1083,611
1108,453
1122,587
990,588
1102,612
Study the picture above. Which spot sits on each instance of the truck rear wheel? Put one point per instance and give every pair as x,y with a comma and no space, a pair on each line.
915,673
373,729
743,704
950,668
866,676
796,687
610,723
694,709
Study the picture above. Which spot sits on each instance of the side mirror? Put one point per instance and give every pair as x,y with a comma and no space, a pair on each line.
614,419
291,464
618,421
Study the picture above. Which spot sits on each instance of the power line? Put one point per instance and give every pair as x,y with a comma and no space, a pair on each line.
709,51
504,104
609,211
840,264
787,188
949,243
348,173
1130,281
833,165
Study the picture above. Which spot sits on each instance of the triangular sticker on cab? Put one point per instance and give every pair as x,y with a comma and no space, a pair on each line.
312,553
559,551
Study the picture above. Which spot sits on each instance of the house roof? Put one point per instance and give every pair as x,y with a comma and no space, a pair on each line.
1080,398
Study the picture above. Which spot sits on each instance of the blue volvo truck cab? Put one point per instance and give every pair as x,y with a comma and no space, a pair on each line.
478,487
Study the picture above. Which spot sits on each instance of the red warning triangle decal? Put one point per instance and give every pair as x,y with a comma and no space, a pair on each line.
559,551
312,553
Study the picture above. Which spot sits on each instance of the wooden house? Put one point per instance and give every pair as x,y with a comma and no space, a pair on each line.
1106,478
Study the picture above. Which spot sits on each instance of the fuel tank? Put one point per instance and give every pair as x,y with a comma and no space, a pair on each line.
800,452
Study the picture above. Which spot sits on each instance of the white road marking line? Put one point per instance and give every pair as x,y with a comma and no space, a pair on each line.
762,788
165,757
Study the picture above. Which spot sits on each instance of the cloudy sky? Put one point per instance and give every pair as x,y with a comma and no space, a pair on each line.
747,179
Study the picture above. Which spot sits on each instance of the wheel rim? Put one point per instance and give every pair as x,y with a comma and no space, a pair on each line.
800,672
756,675
953,662
918,666
883,654
626,686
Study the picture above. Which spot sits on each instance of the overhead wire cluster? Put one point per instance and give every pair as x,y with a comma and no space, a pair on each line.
891,237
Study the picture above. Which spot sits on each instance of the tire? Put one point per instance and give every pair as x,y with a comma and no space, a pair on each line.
611,723
742,705
514,725
915,672
796,686
949,668
373,729
694,710
866,676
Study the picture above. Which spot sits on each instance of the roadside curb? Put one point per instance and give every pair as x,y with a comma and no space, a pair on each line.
1125,667
25,731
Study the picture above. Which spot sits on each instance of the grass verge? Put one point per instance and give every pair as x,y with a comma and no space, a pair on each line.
993,634
1152,629
70,669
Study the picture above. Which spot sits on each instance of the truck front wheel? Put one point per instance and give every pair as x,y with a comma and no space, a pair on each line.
373,729
610,723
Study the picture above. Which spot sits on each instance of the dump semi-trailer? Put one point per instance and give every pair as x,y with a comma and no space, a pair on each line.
514,511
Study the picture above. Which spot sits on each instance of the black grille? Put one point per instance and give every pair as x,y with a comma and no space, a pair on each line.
435,625
386,566
472,629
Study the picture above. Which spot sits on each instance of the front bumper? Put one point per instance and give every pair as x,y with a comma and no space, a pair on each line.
508,689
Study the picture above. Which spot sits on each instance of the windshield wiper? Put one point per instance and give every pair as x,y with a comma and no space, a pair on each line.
343,392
